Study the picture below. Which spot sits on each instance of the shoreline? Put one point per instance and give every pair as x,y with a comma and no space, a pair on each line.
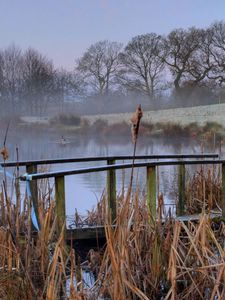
182,116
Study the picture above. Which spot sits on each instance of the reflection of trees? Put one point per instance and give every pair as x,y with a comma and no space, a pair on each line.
44,146
36,144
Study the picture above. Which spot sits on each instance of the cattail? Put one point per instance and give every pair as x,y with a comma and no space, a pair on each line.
5,153
94,259
135,120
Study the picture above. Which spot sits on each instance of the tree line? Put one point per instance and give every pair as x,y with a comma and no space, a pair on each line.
185,64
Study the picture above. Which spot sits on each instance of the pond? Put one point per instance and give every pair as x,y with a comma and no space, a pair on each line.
84,191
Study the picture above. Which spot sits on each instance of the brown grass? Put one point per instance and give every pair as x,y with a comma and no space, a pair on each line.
203,190
166,259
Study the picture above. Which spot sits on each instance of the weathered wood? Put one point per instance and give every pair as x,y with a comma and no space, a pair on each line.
32,169
181,190
196,217
223,191
98,232
104,158
111,191
60,202
95,232
122,166
151,190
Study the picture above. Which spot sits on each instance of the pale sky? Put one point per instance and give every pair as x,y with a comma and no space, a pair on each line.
64,29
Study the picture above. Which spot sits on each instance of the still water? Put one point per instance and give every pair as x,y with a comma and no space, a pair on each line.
84,190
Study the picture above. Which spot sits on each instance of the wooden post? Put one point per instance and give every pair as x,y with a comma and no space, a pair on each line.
111,191
60,202
181,190
151,190
223,191
32,169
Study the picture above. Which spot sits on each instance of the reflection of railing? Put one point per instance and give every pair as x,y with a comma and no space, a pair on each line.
111,167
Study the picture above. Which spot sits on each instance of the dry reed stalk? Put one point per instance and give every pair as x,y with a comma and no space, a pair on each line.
18,196
203,190
73,293
2,208
45,236
135,121
57,270
7,201
45,192
129,265
29,238
22,257
10,254
172,267
5,153
197,261
133,269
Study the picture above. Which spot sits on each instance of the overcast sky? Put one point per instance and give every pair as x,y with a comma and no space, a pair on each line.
63,29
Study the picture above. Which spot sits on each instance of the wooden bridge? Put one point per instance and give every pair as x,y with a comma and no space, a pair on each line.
150,163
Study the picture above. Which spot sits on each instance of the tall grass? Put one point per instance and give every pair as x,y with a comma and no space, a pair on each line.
203,190
166,259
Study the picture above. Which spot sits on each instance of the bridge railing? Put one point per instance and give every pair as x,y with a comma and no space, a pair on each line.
59,177
32,171
32,167
27,163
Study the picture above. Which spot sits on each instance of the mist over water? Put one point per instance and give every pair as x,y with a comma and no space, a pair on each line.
84,190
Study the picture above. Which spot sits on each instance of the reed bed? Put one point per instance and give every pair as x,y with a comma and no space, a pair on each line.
162,259
143,258
203,190
29,260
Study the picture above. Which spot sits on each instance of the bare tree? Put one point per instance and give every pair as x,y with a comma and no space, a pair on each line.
38,81
99,65
201,61
68,85
142,64
218,40
12,76
179,48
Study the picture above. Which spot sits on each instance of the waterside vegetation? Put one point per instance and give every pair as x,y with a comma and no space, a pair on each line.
146,255
142,258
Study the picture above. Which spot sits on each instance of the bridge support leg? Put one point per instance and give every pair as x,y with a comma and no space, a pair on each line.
60,203
32,169
181,190
111,191
151,190
223,191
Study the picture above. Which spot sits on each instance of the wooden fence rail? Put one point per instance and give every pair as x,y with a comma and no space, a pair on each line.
104,158
32,168
111,168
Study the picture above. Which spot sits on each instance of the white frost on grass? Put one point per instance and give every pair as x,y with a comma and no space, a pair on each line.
182,116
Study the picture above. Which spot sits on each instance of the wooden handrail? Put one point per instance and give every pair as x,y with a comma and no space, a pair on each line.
104,158
111,167
43,175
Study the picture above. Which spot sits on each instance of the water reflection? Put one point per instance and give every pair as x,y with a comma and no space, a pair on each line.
83,191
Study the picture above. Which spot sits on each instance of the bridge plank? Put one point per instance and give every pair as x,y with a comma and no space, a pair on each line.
98,232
